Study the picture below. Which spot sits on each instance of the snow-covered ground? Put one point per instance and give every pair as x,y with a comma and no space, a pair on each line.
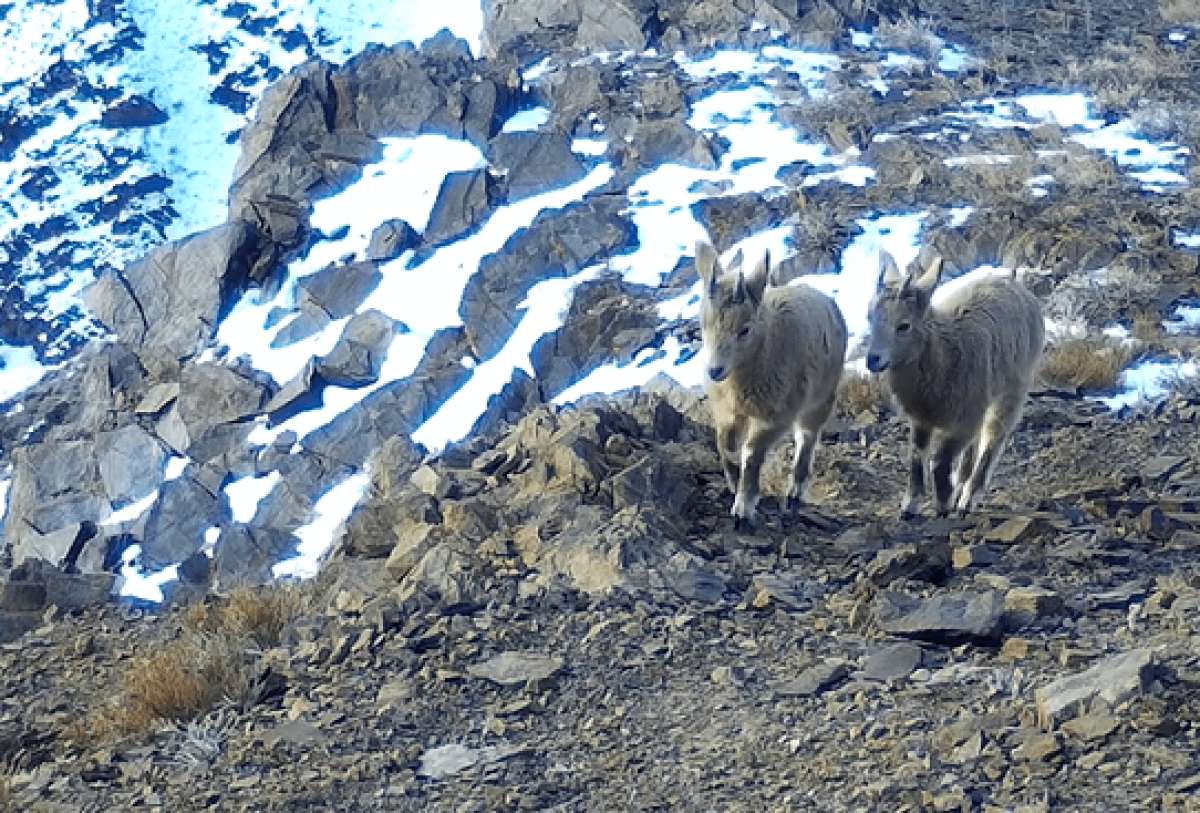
425,294
65,203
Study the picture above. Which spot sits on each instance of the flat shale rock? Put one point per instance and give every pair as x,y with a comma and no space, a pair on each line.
214,394
168,301
692,579
177,523
1112,681
464,201
946,618
516,668
813,680
893,662
131,464
447,760
390,239
532,162
357,358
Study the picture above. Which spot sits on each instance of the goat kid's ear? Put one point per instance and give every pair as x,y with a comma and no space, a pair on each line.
756,282
928,281
889,272
736,263
708,266
740,292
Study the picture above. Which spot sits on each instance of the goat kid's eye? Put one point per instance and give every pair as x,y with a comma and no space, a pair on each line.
903,327
744,332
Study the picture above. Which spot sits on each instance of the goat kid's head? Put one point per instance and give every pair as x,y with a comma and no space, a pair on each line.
898,312
729,313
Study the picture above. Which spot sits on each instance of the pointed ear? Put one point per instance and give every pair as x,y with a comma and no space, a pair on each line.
889,272
736,263
927,281
708,266
756,280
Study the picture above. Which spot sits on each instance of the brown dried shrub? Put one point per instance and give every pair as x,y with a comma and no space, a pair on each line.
1148,329
215,661
860,393
257,613
912,35
1092,364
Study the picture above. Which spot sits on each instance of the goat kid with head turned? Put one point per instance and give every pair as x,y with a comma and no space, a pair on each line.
960,370
775,356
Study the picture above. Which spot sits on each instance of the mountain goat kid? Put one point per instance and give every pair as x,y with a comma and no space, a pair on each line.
960,370
775,357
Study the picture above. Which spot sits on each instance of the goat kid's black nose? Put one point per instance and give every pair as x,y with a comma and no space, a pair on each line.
716,373
874,364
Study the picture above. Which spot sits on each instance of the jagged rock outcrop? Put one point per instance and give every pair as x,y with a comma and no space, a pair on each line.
556,244
165,307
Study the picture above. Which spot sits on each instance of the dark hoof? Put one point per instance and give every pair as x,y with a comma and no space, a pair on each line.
794,504
909,516
743,525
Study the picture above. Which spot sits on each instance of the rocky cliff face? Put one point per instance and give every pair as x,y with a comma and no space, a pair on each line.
127,403
555,612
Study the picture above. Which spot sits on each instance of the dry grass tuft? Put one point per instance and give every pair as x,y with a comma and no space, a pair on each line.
861,394
256,613
1148,329
1087,364
911,35
216,661
259,614
185,680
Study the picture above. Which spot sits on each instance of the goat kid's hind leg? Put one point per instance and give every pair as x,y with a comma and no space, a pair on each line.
996,428
806,442
758,442
963,470
918,457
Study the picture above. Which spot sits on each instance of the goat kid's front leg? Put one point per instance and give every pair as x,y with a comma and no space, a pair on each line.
757,443
729,449
963,469
918,457
944,458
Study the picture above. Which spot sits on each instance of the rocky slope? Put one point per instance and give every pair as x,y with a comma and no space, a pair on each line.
569,622
555,613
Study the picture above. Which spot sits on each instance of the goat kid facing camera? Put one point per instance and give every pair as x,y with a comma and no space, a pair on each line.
960,369
775,357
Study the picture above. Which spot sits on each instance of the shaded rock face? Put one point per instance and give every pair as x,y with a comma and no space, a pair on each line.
530,30
532,162
606,321
168,303
555,245
46,503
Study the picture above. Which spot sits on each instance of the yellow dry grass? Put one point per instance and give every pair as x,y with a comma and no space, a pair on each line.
1086,364
215,660
860,394
259,614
